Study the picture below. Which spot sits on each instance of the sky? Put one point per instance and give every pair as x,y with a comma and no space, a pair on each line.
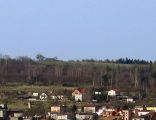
79,29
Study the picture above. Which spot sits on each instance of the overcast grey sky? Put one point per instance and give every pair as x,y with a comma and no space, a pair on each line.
77,29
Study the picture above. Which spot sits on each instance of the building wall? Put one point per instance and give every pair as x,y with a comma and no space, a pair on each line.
140,113
3,113
55,109
18,114
54,116
78,97
89,109
111,93
151,108
126,115
58,109
62,117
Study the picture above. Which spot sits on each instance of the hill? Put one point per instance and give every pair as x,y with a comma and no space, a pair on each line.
119,74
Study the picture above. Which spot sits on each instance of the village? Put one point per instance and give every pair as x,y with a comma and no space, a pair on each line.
79,104
77,59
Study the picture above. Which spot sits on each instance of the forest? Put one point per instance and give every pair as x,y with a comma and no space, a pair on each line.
123,74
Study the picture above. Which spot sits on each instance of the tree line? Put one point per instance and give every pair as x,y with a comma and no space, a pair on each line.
126,74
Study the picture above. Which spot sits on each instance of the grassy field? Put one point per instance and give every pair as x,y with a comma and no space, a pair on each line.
35,88
9,93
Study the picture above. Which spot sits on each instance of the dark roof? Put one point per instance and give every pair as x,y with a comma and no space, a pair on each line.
24,96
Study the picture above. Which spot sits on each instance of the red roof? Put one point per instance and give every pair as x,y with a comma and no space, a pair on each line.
82,90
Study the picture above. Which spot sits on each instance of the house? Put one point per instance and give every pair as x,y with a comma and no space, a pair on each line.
99,96
3,114
3,111
84,116
89,109
43,96
52,95
61,117
97,92
100,110
55,109
108,113
143,112
78,97
130,100
79,91
3,106
56,97
15,114
80,94
54,116
11,114
35,94
113,93
127,114
58,109
151,108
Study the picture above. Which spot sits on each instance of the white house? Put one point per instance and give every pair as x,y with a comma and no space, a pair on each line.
43,96
80,94
142,113
35,94
112,93
61,117
78,97
130,100
97,93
